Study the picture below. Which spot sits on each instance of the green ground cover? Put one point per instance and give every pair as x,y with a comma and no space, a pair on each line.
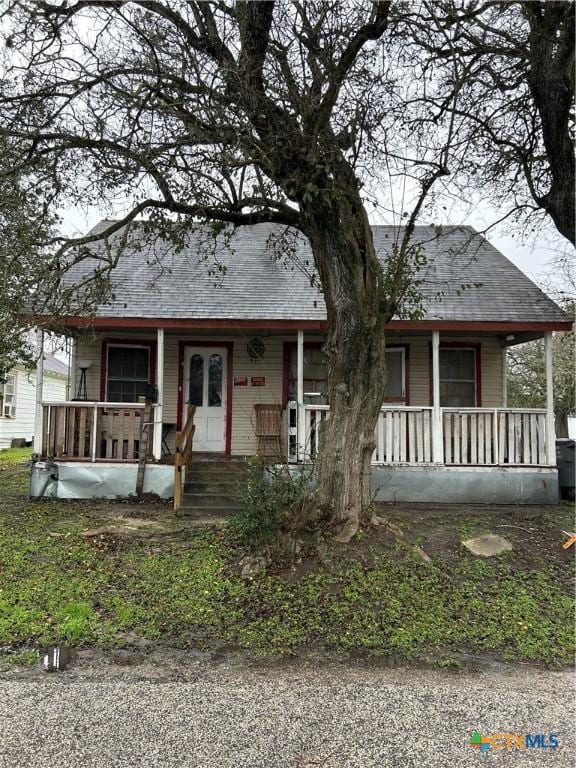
185,589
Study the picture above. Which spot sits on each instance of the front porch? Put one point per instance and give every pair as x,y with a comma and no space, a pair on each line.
229,376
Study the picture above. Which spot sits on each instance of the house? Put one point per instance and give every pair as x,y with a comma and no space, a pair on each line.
244,326
18,399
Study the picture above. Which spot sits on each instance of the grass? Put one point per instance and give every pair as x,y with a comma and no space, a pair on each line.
372,597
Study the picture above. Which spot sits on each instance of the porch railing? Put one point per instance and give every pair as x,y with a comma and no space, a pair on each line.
469,436
94,431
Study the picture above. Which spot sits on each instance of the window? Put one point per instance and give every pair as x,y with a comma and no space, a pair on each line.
458,378
128,373
215,380
196,387
395,389
315,379
8,396
314,375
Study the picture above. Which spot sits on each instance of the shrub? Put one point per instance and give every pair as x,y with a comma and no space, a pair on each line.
266,503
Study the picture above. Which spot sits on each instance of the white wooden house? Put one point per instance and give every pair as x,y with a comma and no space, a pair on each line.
250,332
18,398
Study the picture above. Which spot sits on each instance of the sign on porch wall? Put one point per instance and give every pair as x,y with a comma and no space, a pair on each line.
240,381
258,381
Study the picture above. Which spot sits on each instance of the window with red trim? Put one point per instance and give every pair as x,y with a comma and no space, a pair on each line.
458,377
127,373
315,380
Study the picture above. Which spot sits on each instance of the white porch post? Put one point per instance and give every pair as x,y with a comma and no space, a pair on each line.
157,435
39,392
73,354
505,377
550,426
301,424
437,437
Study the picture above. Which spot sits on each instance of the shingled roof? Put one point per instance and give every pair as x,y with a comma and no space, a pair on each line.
465,278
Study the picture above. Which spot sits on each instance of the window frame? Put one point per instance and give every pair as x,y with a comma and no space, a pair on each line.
405,399
291,347
462,346
107,344
14,395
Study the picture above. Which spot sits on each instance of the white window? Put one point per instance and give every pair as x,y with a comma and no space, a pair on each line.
8,396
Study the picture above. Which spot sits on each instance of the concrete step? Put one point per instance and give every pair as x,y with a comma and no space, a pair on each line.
207,499
206,512
207,485
219,466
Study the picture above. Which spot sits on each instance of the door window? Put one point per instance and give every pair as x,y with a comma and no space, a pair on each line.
196,386
215,381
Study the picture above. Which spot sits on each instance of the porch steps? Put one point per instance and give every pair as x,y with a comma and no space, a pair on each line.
210,488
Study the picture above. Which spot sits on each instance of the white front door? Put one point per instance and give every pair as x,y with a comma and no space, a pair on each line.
205,387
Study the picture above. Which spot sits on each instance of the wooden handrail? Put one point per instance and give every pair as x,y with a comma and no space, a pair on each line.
183,453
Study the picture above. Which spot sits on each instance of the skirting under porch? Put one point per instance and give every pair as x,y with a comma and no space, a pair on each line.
425,484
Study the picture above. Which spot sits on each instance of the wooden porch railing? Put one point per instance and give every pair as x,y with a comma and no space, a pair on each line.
183,454
94,431
470,436
498,436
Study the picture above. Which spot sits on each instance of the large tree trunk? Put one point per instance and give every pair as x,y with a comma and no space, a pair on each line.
351,277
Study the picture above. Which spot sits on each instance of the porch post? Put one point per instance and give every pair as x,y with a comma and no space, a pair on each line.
301,424
157,434
550,426
39,392
437,437
504,377
72,355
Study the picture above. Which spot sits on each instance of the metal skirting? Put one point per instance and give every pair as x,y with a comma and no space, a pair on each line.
76,480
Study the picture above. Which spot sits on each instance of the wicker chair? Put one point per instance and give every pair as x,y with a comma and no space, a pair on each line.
268,427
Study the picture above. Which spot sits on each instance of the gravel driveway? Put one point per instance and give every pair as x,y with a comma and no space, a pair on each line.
228,715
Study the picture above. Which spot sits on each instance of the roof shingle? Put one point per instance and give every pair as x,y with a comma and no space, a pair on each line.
465,278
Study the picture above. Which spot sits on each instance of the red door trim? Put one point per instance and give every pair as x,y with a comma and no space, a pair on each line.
229,347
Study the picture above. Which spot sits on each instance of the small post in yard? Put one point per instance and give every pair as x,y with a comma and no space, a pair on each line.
38,421
550,426
437,444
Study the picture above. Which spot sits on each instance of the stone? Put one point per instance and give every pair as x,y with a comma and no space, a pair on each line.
421,554
488,545
251,566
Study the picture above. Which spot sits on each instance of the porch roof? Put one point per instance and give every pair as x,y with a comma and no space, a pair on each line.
242,278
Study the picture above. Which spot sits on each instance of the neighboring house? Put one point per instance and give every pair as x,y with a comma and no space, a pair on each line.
18,399
250,332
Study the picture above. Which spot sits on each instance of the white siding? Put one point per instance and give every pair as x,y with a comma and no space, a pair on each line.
22,426
271,367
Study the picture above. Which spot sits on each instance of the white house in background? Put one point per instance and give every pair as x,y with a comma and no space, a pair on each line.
18,398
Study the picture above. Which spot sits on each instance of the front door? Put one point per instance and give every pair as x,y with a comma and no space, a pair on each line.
205,387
